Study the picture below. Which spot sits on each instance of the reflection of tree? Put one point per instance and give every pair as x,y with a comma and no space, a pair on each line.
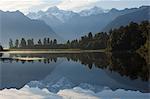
1,54
131,65
90,59
100,60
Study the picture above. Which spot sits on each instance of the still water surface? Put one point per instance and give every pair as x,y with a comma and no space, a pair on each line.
94,71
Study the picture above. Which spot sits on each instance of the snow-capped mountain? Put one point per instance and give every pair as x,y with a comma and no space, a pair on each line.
71,25
52,12
37,15
67,23
93,11
64,15
61,14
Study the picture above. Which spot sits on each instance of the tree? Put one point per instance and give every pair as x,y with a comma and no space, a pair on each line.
44,42
48,41
32,42
39,42
129,37
90,36
1,48
68,44
10,43
17,43
55,42
51,42
23,43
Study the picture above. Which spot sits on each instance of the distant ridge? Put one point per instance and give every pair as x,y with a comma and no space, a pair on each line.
16,25
72,25
143,13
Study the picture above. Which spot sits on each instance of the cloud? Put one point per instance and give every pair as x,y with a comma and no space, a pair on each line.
36,93
22,5
75,93
75,5
36,5
26,5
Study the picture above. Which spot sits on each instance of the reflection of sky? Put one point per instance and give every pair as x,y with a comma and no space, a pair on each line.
18,74
75,5
75,93
65,77
96,79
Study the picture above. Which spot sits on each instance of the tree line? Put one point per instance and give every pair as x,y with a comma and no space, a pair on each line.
98,41
30,43
130,37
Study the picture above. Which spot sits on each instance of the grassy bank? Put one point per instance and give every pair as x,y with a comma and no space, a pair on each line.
43,49
52,51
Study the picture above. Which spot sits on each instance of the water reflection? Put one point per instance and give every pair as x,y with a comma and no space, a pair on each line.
130,65
1,54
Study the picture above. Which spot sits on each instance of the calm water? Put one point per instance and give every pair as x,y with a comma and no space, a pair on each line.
94,71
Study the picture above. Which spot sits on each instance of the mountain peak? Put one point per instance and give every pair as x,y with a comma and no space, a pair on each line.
146,6
93,11
96,8
113,10
53,9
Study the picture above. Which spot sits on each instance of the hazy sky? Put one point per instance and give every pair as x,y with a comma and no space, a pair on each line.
76,5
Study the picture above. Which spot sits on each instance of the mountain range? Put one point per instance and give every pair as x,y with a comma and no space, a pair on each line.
16,25
137,16
66,25
71,25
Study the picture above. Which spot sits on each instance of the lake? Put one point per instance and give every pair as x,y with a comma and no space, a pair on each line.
98,74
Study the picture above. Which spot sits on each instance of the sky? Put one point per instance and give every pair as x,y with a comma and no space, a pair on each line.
27,6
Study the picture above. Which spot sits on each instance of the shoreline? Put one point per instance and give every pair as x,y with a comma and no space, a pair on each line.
51,51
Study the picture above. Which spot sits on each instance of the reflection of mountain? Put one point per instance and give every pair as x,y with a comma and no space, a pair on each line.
88,70
71,74
1,54
130,64
16,75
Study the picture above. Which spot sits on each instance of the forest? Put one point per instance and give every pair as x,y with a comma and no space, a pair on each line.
132,37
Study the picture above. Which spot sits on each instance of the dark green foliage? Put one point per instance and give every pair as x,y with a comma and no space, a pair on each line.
130,37
55,42
45,41
130,64
10,43
17,43
23,43
90,36
30,43
1,48
39,42
98,41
